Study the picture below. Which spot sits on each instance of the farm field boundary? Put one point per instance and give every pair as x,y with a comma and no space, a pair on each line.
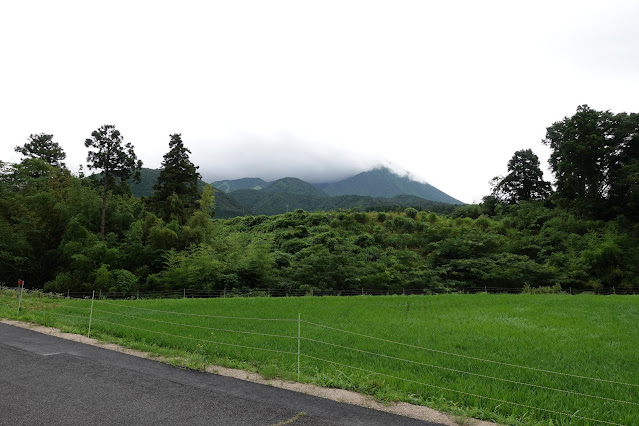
280,292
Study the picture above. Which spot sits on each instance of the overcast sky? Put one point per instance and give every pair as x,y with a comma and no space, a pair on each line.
445,90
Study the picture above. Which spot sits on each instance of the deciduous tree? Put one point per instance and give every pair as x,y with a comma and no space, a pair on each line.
582,150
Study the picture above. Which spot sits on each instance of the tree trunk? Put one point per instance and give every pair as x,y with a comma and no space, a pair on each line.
103,212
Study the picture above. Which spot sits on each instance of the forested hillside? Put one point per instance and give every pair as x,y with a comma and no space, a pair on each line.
244,183
582,235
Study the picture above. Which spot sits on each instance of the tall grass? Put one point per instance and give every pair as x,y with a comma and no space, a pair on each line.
488,356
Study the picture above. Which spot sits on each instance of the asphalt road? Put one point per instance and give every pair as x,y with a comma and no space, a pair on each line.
53,381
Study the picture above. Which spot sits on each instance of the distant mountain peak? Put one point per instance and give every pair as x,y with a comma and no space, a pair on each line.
384,182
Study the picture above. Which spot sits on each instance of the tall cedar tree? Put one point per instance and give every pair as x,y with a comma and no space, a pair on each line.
42,147
175,194
524,182
115,160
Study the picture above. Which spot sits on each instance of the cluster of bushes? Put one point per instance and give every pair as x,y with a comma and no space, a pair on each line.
50,238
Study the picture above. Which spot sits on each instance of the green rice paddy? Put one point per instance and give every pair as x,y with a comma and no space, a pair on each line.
514,359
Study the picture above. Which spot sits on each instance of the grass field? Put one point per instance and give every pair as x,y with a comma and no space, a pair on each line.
496,357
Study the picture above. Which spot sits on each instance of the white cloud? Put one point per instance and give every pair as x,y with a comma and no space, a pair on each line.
445,90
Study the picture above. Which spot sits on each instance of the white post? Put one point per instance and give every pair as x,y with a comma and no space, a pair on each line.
20,296
91,314
299,343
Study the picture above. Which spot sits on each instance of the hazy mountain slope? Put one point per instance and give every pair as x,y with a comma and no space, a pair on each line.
382,182
227,206
261,202
148,178
292,185
144,188
237,184
247,197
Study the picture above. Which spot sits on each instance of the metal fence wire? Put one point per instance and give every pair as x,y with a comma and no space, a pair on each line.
283,292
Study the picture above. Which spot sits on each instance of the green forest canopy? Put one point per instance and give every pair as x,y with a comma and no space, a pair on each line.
584,235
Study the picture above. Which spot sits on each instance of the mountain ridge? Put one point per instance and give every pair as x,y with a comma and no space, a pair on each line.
255,196
382,182
377,182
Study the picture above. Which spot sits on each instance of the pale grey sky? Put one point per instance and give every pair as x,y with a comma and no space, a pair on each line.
447,91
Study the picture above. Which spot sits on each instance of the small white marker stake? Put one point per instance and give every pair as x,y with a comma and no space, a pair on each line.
299,341
91,314
21,285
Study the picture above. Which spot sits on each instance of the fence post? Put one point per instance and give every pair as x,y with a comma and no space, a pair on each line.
299,343
138,295
613,290
184,293
20,297
91,314
362,291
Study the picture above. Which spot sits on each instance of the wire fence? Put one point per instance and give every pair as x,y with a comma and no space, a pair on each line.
283,292
313,350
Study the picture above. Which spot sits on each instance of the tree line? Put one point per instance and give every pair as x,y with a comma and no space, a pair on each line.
65,232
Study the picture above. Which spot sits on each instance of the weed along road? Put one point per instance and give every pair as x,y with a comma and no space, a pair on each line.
53,381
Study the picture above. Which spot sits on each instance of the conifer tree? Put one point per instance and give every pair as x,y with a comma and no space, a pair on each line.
42,147
113,159
175,194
